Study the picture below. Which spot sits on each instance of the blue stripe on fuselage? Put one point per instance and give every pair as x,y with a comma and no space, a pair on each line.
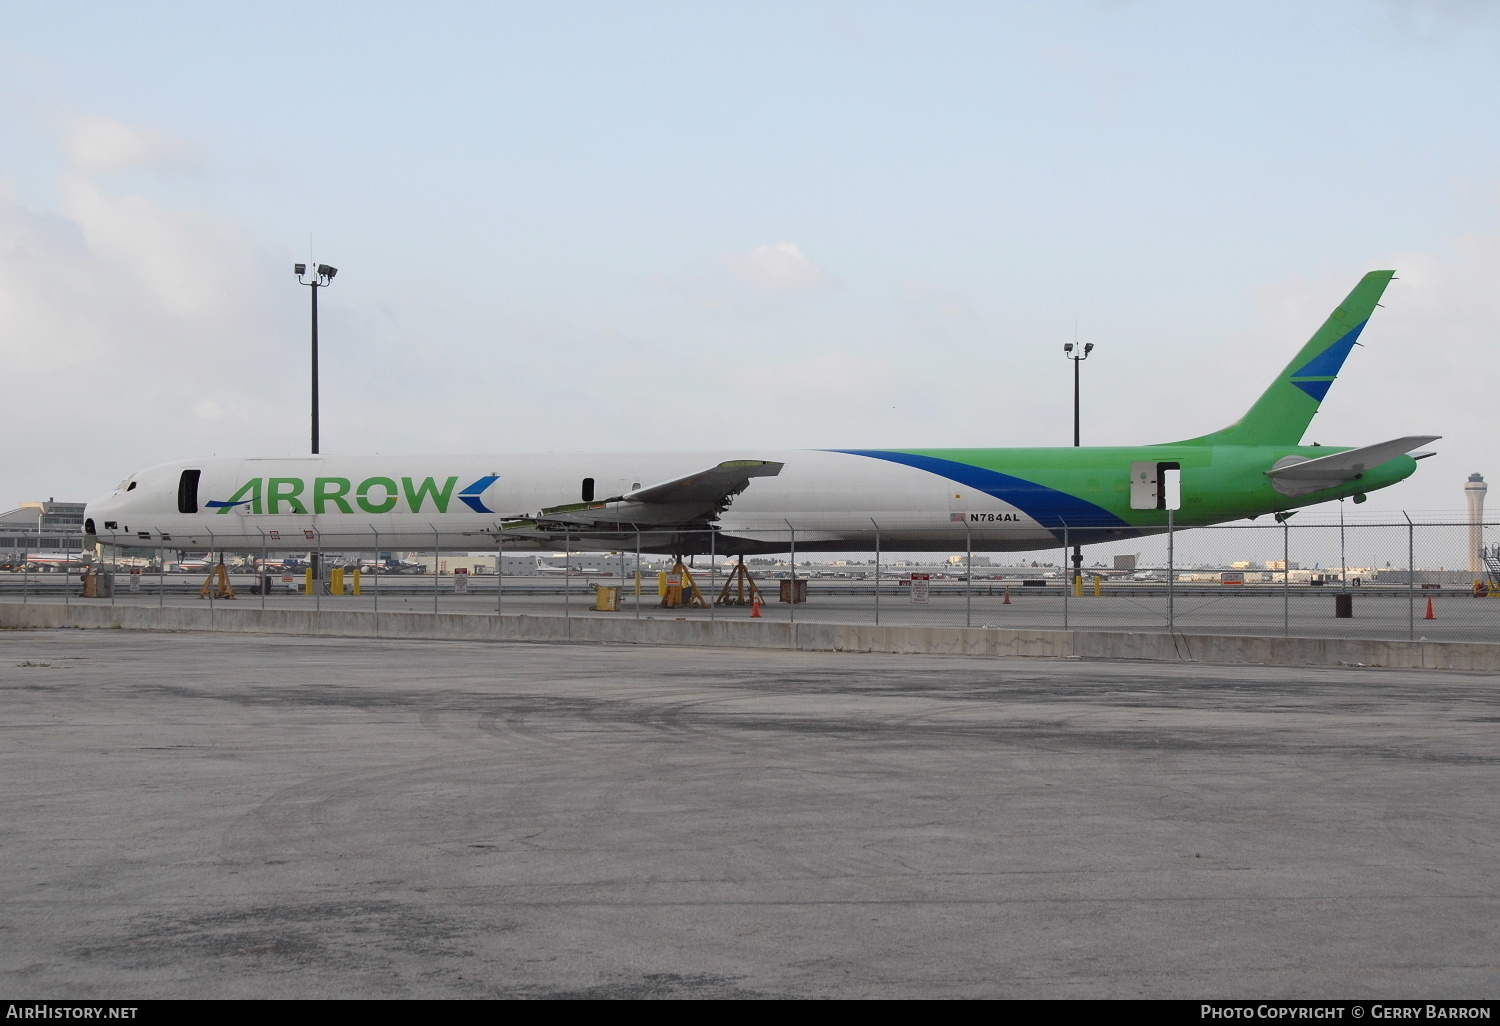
1084,521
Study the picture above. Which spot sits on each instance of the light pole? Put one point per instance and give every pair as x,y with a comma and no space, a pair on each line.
322,278
1073,353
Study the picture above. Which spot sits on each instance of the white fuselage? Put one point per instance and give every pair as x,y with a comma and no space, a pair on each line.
821,500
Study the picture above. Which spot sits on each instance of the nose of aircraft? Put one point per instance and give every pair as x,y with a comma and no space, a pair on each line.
97,513
91,511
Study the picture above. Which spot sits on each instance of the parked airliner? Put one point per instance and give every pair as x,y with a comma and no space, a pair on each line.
754,501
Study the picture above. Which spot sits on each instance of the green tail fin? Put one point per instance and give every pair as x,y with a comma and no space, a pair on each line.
1281,415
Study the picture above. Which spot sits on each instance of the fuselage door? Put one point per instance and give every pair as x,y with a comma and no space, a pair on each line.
1155,484
187,491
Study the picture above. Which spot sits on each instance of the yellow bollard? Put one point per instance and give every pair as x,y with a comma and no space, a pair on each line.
637,582
309,590
1078,586
356,580
1098,587
336,581
661,584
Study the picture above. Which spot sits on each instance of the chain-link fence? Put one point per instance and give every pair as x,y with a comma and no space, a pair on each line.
1408,578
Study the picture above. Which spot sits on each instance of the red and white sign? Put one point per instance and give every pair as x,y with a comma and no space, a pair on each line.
920,587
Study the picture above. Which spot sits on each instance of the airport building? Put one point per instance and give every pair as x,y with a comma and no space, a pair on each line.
49,526
1474,491
523,564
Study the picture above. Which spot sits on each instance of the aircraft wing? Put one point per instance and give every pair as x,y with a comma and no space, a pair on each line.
712,485
1298,475
693,498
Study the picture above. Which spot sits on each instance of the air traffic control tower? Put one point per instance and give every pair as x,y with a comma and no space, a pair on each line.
1474,492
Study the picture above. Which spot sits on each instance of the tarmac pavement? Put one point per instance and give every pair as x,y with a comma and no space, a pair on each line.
210,815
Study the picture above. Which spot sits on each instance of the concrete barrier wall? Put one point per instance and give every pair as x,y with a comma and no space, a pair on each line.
808,637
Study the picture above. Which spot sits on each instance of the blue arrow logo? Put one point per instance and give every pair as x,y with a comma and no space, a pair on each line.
471,494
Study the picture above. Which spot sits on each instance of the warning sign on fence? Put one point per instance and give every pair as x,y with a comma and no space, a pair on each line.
920,586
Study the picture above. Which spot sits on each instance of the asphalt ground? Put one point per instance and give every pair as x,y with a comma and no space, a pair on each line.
1382,615
204,815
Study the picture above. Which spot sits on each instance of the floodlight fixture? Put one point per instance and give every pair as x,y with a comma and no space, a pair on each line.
1077,355
1073,351
322,277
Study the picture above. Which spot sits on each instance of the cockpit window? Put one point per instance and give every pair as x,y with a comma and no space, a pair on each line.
130,487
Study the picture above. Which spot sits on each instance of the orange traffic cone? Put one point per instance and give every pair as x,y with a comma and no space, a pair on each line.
1429,615
755,608
1007,596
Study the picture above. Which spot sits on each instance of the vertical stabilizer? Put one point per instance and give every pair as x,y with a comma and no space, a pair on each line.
1281,415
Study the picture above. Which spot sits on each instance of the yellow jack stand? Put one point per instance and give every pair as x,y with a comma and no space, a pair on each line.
746,593
685,591
217,584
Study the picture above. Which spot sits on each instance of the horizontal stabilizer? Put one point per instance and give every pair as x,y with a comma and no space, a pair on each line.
1298,475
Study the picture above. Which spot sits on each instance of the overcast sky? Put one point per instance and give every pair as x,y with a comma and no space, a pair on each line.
615,225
